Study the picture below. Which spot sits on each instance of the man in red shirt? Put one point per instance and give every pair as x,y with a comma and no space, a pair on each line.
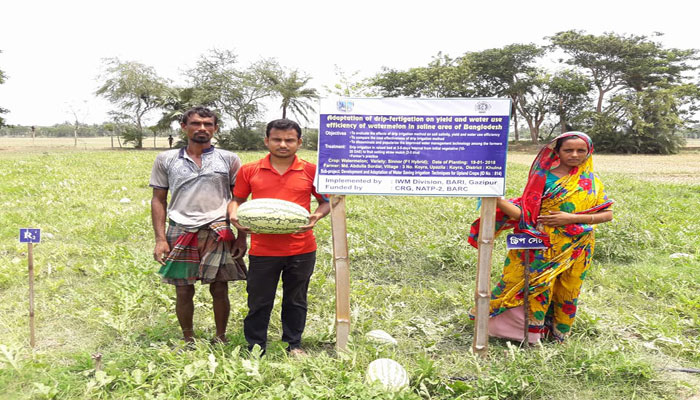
280,175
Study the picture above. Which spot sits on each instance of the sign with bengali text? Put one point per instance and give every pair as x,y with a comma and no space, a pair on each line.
523,241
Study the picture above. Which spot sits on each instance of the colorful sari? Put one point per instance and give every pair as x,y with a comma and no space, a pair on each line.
556,273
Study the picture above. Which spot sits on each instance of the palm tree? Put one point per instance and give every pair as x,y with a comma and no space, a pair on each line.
295,96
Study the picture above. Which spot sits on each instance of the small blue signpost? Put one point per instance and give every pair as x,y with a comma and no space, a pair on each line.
30,236
524,241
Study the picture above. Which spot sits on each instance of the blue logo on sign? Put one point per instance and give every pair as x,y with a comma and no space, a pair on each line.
345,105
29,235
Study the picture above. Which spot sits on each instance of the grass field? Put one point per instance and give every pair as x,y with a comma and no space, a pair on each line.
412,275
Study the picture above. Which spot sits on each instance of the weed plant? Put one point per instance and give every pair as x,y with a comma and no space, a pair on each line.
106,326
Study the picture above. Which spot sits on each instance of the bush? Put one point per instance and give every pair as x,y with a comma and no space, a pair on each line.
310,138
242,139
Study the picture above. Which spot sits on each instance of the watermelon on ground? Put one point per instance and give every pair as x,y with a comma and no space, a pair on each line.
388,372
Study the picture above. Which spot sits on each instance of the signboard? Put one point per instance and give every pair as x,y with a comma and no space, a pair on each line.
28,235
523,241
426,147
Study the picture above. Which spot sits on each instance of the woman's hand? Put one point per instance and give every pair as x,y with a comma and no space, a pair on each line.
557,218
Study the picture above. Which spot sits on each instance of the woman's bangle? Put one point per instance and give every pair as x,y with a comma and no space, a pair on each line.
591,219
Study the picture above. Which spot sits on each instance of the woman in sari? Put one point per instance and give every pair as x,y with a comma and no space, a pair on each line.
561,203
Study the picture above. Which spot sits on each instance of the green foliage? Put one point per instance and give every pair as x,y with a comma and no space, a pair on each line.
652,124
135,89
349,85
218,83
65,129
443,77
3,77
571,96
310,138
290,87
242,138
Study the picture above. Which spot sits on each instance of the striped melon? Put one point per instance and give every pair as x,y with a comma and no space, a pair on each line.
380,336
272,216
388,372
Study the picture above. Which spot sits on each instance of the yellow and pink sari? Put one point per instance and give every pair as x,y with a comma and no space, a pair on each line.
556,273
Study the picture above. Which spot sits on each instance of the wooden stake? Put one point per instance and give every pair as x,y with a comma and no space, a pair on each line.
30,254
341,265
526,298
482,295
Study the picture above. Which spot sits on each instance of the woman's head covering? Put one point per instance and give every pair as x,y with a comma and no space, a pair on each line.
546,160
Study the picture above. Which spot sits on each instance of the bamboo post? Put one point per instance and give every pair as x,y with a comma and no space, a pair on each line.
341,265
30,255
526,299
482,295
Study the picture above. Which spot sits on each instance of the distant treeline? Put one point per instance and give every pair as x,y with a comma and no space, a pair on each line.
65,129
235,139
630,93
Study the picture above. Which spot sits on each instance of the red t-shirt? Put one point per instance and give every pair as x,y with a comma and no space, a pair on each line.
295,185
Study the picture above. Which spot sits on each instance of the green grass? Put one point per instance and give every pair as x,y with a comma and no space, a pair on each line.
412,272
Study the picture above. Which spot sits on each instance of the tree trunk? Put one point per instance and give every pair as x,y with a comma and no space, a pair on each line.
139,135
534,132
514,111
562,116
75,134
599,106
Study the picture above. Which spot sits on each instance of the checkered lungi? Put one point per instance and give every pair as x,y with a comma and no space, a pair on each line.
202,254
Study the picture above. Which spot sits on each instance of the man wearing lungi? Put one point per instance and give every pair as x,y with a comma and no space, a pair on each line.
198,244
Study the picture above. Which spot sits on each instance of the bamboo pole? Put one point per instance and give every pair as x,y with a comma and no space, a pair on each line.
341,265
482,295
526,299
30,255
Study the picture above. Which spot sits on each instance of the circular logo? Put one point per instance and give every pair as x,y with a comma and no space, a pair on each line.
482,106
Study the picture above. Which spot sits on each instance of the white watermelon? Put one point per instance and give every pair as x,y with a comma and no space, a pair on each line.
388,372
380,336
272,216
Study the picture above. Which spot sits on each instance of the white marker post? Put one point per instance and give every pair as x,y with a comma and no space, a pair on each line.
30,236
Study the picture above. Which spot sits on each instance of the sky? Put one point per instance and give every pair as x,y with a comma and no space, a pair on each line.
53,51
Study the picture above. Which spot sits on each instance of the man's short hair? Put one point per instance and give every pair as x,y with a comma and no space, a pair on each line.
283,124
202,112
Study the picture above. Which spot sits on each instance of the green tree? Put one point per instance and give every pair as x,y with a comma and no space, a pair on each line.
290,87
219,83
535,102
649,96
136,89
443,77
3,77
648,121
616,62
349,85
571,95
174,102
505,72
